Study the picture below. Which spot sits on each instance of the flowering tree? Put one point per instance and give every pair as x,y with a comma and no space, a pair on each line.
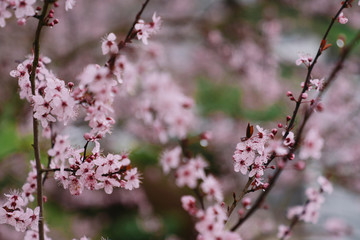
135,86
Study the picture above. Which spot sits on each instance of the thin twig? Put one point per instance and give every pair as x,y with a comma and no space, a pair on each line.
130,35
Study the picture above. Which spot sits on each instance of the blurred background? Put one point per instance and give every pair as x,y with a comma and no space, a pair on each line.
236,60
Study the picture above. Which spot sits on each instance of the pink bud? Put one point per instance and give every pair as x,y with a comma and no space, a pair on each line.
288,118
206,135
87,136
320,107
241,212
51,15
304,96
21,22
274,131
56,21
300,165
289,94
292,156
246,202
280,125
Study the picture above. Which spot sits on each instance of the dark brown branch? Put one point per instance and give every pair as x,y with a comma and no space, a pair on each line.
36,146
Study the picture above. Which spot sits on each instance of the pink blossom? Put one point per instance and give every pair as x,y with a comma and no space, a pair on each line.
132,177
312,145
189,204
342,19
241,165
294,211
326,186
289,140
283,232
24,8
311,213
170,159
109,45
145,30
187,175
4,13
317,84
212,188
258,168
337,227
108,184
69,4
306,59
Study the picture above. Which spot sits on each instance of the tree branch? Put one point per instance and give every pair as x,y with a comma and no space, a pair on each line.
277,173
36,146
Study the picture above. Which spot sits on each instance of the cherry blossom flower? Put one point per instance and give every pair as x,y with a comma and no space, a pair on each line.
145,30
312,145
69,4
24,8
4,13
241,165
306,59
289,140
337,227
189,204
283,232
170,159
109,45
132,178
108,183
317,84
186,175
342,19
212,188
325,185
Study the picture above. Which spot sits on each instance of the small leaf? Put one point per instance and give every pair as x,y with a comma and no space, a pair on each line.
249,130
327,46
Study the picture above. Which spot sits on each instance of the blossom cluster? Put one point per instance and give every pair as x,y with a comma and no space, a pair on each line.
13,213
52,99
145,30
211,222
23,9
310,211
211,219
95,93
95,171
165,107
252,153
